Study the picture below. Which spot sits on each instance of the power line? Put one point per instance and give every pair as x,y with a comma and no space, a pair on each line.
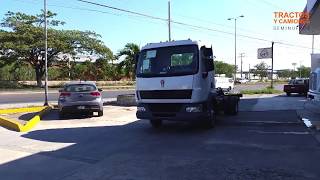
123,10
175,22
186,24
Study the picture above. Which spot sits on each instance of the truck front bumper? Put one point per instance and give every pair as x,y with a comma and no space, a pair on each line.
172,112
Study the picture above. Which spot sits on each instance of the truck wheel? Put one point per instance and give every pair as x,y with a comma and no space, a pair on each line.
231,106
156,123
100,113
211,121
288,94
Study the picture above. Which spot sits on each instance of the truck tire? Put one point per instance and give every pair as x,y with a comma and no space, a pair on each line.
288,94
100,113
156,123
211,121
231,106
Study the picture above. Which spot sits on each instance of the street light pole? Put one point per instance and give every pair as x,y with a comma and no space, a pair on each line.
169,20
46,53
235,49
235,45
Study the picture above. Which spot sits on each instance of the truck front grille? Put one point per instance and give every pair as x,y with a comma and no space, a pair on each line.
165,108
166,94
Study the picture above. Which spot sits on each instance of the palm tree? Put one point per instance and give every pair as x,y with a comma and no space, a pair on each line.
130,51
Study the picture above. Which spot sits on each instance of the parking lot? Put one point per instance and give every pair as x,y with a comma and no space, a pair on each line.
265,141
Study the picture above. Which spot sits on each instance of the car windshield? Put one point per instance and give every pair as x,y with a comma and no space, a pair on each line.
80,88
296,82
168,61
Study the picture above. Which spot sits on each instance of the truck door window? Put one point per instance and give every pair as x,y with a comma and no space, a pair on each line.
207,57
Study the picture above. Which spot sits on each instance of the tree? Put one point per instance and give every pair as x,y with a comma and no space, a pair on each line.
130,51
261,70
285,73
305,71
224,68
25,42
106,70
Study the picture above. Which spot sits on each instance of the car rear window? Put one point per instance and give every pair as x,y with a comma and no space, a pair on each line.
80,88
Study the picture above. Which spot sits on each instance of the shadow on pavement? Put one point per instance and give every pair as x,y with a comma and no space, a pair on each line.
28,116
175,151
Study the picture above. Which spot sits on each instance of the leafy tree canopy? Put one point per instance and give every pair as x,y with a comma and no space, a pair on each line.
22,41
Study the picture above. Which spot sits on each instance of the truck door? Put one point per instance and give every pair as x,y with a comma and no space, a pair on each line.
208,69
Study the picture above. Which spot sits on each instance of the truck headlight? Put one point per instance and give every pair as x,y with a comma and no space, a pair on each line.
141,109
195,108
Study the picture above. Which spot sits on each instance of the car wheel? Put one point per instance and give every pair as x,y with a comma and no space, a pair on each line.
62,115
211,121
288,94
100,113
156,123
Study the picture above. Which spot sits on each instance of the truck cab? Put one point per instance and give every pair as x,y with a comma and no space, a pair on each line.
175,81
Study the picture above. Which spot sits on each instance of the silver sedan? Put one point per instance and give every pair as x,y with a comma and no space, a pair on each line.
80,97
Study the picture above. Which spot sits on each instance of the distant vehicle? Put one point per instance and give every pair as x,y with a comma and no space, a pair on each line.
300,86
80,97
224,83
242,81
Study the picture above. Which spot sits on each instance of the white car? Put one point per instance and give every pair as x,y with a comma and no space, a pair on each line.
243,81
224,83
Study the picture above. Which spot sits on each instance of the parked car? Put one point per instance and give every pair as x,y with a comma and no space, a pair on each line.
300,86
224,83
80,97
241,81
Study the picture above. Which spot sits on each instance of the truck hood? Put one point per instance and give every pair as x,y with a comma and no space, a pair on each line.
165,83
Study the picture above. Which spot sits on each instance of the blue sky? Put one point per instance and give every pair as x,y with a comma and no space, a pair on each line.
118,28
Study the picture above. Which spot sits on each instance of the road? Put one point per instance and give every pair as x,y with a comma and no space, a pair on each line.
265,141
38,97
34,97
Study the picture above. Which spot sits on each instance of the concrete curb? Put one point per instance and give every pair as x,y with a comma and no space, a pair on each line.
16,126
126,100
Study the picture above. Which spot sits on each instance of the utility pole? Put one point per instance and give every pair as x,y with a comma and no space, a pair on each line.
235,49
272,64
312,44
169,20
235,44
241,56
249,73
300,69
46,53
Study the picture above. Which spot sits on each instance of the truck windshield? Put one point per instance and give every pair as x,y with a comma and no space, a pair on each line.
168,61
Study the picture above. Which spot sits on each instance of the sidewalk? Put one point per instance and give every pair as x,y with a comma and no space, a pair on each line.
19,105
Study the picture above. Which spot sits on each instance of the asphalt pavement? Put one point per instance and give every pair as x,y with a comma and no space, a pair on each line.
266,140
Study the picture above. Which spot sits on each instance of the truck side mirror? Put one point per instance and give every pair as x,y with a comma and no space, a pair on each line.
136,58
207,58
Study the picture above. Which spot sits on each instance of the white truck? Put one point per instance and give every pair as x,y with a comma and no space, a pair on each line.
314,89
175,82
224,83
